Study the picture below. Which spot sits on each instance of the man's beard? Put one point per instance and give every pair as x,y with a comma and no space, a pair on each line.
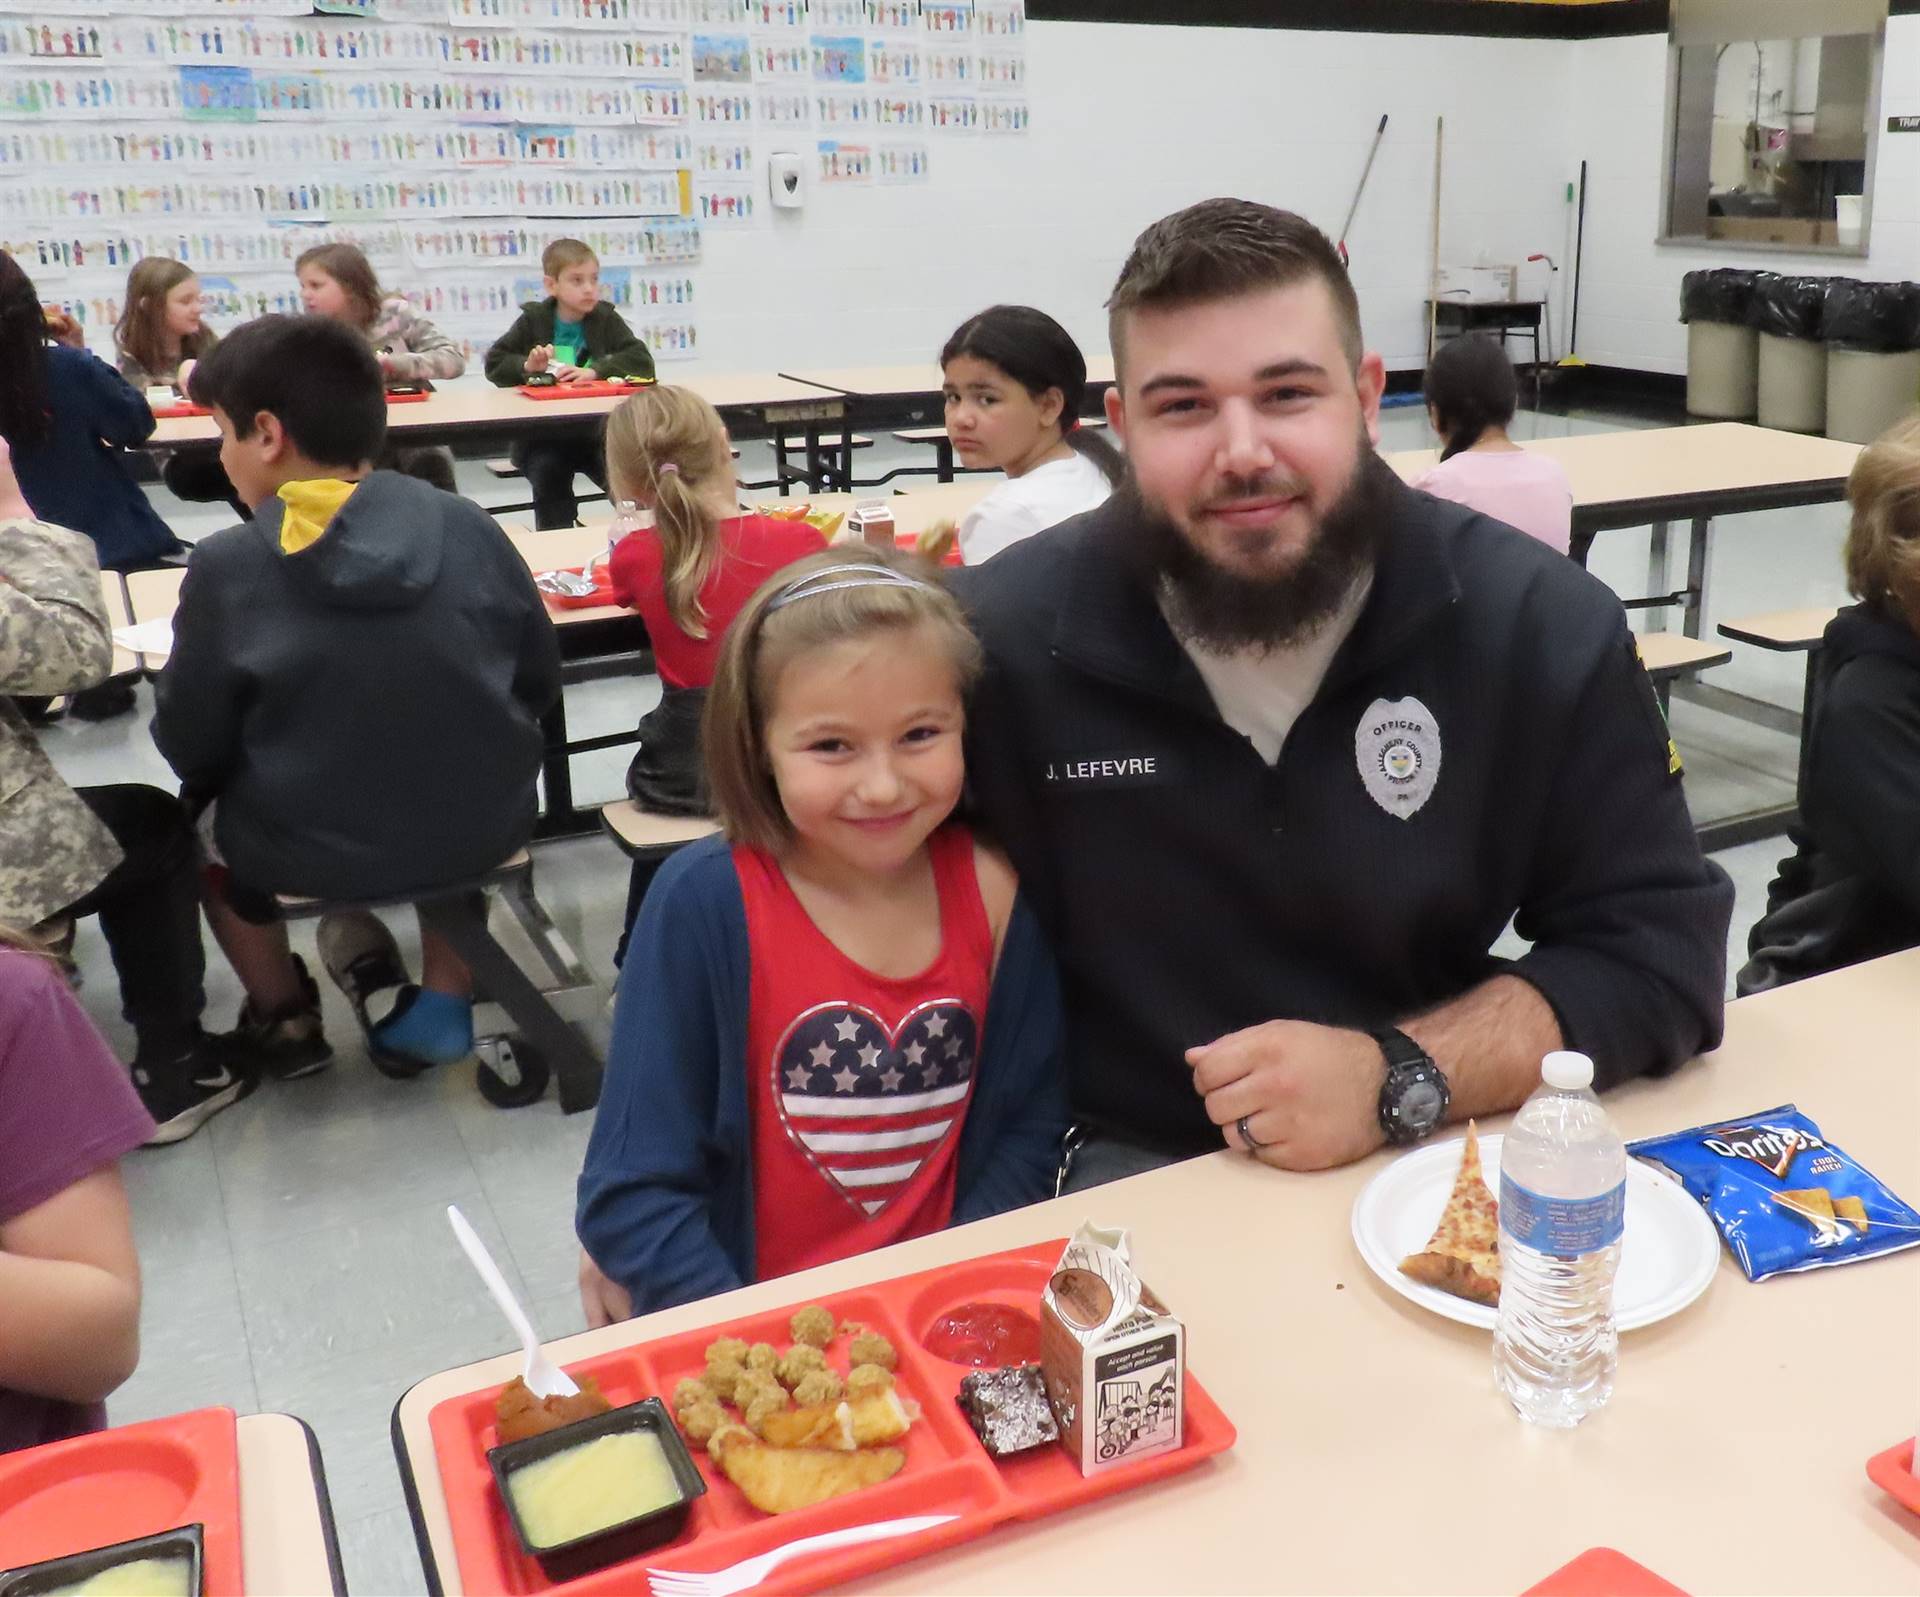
1222,610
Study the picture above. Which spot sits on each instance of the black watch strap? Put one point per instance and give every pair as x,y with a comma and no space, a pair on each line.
1400,1049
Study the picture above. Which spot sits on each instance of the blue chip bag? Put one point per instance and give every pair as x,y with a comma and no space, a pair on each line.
1784,1198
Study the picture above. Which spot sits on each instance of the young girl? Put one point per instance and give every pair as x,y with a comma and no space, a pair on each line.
1471,396
160,329
688,574
837,1026
337,280
1014,384
68,1273
68,417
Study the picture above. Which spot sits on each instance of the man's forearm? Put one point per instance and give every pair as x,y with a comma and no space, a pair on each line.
1489,1041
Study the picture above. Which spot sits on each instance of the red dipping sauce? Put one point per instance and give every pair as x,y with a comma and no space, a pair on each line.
985,1336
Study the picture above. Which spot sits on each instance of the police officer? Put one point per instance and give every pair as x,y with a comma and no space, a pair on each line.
1280,746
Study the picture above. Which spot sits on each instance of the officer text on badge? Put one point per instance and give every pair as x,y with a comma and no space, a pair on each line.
1397,747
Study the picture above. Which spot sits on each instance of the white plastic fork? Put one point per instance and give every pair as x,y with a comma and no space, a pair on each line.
749,1572
544,1378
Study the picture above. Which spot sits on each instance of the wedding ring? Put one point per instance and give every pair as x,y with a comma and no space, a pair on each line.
1246,1136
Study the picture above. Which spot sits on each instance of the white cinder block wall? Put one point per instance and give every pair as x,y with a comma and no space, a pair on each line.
1120,136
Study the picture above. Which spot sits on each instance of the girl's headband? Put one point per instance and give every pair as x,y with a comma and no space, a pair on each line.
831,579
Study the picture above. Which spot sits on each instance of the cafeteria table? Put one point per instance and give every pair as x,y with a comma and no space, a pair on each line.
1374,1454
288,1545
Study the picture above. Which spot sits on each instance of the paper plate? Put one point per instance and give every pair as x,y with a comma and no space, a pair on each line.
1667,1259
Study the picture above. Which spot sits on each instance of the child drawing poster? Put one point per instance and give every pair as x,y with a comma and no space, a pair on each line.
722,158
722,58
900,163
725,205
837,108
948,18
1003,116
831,14
1002,71
778,108
953,113
721,13
839,60
897,112
949,66
22,40
894,16
347,8
893,60
483,13
1000,19
669,339
777,14
728,108
844,163
218,94
776,58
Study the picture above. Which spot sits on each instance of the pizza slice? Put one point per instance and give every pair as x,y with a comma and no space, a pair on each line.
1463,1255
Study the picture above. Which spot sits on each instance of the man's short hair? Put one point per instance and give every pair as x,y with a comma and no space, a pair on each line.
317,376
565,252
1221,249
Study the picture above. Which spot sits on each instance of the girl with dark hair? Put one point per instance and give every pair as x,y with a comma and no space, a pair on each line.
68,416
1014,384
1471,395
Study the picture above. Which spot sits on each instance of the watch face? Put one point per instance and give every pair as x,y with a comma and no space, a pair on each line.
1420,1105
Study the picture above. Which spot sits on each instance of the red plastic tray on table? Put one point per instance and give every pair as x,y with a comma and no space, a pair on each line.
600,576
1601,1572
605,388
947,1470
1892,1472
134,1480
174,412
408,399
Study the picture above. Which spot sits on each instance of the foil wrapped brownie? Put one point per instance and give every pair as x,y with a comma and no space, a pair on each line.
1008,1409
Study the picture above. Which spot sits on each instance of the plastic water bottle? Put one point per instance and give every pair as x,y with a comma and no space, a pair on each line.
1563,1191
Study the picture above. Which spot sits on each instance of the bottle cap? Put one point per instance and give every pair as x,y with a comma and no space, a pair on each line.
1567,1072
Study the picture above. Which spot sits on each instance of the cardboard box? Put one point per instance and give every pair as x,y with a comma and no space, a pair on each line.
1799,230
1113,1356
1472,284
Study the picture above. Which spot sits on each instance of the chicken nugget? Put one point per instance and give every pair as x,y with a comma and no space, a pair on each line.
724,1379
870,1347
763,1358
865,1379
762,1406
812,1325
727,1350
818,1386
753,1386
689,1391
802,1359
700,1420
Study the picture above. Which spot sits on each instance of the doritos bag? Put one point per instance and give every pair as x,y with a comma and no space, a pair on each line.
1783,1198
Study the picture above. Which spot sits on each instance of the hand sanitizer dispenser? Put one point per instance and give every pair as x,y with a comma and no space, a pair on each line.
786,180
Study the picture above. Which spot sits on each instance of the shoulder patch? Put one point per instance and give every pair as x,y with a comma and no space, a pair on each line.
1656,715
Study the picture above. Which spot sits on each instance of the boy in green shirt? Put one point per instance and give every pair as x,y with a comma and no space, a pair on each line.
577,338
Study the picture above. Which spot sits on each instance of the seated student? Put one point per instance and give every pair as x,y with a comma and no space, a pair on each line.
1851,889
69,1276
1014,382
338,281
576,337
68,415
846,941
688,575
1471,396
159,336
123,852
356,685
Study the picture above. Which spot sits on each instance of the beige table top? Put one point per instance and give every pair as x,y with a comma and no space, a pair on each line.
114,597
1730,1460
877,382
1668,462
287,1538
1780,629
490,408
919,508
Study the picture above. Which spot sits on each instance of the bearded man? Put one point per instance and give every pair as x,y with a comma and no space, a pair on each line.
1280,747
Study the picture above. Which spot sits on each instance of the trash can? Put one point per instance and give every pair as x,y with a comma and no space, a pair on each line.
1787,312
1872,331
1723,347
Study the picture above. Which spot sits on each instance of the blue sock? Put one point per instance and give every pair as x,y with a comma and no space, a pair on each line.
435,1028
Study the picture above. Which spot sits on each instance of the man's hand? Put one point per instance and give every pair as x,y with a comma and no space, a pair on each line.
1310,1094
572,374
538,357
388,365
604,1299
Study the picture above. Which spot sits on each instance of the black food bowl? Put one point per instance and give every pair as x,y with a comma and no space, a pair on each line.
35,1580
629,1537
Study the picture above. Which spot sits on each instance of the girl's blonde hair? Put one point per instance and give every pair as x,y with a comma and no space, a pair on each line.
668,448
775,629
1883,544
141,330
348,266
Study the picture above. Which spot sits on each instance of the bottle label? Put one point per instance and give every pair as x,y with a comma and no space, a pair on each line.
1565,1228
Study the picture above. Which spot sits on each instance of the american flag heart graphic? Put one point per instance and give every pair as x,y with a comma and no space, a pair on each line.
869,1105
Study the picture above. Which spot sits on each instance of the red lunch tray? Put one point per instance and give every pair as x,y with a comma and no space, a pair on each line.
1892,1472
947,1470
173,412
136,1480
604,389
1601,1572
407,399
602,589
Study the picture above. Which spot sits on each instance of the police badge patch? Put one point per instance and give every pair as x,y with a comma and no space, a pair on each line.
1397,747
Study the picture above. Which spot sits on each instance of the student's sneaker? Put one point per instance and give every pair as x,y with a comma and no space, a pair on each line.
289,1044
113,697
183,1094
364,961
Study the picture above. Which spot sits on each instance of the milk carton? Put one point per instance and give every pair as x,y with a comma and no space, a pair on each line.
1114,1358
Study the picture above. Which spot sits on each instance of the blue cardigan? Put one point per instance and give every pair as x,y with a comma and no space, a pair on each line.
666,1195
76,477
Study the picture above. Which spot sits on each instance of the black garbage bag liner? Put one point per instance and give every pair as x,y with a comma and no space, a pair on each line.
1718,294
1788,307
1881,317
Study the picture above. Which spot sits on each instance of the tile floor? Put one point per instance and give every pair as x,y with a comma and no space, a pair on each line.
296,1252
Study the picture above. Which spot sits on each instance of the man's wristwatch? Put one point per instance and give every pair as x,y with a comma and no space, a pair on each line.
1414,1096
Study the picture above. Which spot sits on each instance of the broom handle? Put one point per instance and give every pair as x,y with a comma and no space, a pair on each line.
1433,262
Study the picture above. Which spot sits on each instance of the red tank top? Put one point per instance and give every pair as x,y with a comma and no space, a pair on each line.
858,1083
